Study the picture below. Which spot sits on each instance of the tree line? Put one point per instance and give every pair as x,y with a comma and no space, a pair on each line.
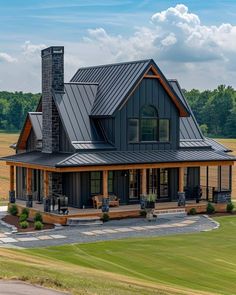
14,107
215,110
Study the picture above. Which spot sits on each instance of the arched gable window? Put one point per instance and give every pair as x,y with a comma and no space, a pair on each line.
148,123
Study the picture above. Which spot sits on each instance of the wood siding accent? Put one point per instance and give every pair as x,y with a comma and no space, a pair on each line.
12,178
22,142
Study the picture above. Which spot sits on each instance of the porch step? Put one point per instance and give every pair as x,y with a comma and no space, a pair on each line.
77,221
179,212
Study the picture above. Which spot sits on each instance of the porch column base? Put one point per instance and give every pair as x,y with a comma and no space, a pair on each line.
47,205
12,197
29,201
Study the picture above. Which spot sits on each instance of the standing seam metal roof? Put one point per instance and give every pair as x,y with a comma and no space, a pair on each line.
116,82
118,158
36,121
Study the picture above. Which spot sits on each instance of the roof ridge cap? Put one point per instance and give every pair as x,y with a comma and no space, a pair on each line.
117,63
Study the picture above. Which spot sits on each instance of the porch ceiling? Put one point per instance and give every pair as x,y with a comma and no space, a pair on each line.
128,159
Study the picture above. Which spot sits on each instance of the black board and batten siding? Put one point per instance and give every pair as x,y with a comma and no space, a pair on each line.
149,92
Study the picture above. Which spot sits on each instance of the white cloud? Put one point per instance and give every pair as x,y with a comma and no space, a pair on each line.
199,55
4,57
31,49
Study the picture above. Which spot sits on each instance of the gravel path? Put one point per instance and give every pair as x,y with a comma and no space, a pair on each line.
115,229
19,288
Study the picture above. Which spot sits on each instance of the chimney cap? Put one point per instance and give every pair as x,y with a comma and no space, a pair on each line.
52,50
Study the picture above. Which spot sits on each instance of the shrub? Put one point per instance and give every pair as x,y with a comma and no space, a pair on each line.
38,217
230,207
23,217
143,213
38,225
25,211
24,224
192,211
13,210
105,217
210,209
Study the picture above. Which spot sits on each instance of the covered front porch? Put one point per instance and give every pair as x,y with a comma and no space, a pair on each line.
37,187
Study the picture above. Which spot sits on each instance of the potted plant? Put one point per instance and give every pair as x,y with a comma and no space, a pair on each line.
150,201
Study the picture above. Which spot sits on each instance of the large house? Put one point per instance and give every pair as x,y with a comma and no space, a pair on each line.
121,129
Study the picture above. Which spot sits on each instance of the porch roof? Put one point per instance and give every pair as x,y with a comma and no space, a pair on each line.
117,158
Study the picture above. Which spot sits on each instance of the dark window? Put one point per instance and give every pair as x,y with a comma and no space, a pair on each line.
164,130
148,130
148,111
111,182
95,182
133,130
152,181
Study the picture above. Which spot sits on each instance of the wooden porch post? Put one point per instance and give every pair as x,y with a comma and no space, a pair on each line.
12,196
29,200
46,199
45,184
105,183
12,176
144,182
181,179
29,182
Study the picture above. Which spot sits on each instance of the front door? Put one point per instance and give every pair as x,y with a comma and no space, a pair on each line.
163,185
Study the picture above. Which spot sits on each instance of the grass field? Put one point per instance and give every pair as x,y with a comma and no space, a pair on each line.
202,263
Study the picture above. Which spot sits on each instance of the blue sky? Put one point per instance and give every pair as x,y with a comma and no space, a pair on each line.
185,42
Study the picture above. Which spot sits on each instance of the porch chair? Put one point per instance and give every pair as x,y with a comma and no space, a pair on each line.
114,201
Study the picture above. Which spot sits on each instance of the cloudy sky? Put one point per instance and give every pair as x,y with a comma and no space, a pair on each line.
193,41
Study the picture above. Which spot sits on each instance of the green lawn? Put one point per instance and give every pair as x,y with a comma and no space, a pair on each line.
202,262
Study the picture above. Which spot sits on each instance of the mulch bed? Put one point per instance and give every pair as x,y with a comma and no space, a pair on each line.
14,220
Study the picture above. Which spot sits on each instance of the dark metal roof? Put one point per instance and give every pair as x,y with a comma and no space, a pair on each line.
37,158
189,128
36,121
216,145
88,145
118,157
74,106
116,82
194,144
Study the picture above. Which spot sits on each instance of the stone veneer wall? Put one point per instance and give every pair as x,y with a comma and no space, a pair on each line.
55,183
52,79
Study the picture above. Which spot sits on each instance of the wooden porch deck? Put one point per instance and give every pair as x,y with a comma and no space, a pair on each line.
123,211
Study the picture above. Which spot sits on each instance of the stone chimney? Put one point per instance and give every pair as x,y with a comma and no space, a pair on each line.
52,79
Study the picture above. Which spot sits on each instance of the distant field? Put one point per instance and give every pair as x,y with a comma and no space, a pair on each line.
7,139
